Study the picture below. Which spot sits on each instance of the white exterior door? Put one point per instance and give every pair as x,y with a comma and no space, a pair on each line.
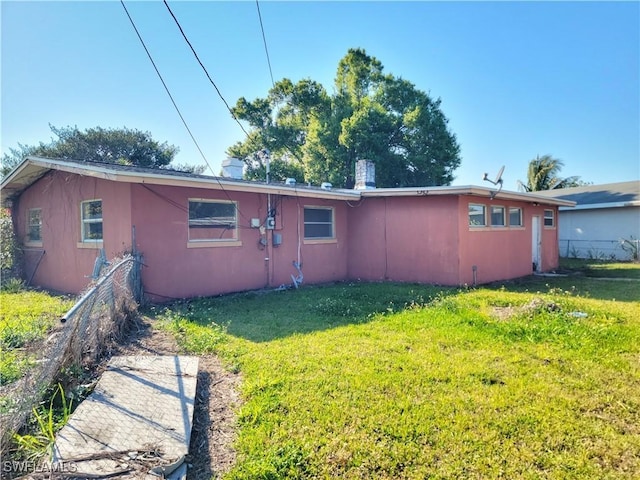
536,244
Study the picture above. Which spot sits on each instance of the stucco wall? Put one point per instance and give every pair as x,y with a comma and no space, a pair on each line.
502,252
176,268
550,252
67,263
408,239
411,239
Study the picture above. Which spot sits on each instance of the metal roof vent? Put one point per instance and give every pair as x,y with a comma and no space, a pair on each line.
326,186
290,181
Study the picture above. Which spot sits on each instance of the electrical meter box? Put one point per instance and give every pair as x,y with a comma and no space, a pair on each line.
271,223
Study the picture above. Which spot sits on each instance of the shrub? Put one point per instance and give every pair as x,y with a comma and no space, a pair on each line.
9,250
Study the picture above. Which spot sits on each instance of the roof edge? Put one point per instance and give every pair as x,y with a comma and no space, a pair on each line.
598,206
42,165
464,190
165,178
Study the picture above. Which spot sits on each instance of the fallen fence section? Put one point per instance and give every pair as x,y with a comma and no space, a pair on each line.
137,421
96,320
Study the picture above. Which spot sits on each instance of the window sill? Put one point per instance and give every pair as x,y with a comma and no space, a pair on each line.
213,243
319,241
33,244
91,245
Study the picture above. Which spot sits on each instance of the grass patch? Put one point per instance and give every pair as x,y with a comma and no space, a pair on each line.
25,317
601,269
613,289
405,381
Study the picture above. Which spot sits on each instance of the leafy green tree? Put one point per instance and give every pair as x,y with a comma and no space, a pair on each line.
370,116
118,145
14,157
281,167
544,174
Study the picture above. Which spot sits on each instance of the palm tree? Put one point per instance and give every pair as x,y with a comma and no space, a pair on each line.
543,174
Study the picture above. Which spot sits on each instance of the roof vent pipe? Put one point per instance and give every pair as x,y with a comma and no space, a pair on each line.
365,175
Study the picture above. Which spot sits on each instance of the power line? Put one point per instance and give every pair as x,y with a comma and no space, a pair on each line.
176,107
204,68
165,86
264,39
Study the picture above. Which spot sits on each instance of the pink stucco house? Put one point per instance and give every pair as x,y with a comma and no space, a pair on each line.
202,235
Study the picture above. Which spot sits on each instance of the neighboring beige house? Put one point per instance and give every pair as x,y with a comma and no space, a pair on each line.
604,224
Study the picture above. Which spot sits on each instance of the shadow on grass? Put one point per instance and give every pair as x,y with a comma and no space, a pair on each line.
600,269
264,316
618,289
621,273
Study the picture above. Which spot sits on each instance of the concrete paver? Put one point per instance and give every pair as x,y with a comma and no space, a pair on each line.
137,420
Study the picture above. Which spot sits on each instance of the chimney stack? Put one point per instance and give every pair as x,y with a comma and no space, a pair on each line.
365,175
232,168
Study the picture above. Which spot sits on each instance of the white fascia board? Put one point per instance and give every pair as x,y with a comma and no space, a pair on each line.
597,206
463,190
216,183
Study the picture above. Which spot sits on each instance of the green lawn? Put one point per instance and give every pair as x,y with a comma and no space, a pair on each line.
25,317
538,378
595,268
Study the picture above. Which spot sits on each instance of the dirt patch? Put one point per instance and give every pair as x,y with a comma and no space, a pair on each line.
536,305
213,433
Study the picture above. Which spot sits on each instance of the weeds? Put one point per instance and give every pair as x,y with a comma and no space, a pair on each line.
630,246
46,420
13,285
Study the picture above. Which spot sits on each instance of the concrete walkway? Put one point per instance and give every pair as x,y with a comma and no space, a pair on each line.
136,423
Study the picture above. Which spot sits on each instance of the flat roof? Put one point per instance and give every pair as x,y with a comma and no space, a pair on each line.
33,168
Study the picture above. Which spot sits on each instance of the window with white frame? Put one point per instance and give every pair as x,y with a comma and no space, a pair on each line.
91,211
212,220
497,216
477,215
34,225
318,223
549,218
515,217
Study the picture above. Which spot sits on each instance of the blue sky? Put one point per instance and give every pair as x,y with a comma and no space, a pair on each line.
516,79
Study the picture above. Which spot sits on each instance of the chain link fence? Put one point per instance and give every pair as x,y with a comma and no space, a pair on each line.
623,249
86,330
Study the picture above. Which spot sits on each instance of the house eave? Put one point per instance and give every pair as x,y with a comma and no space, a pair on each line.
216,183
464,190
598,206
33,168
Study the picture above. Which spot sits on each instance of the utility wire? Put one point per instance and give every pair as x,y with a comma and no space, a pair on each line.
204,68
165,86
264,39
176,106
